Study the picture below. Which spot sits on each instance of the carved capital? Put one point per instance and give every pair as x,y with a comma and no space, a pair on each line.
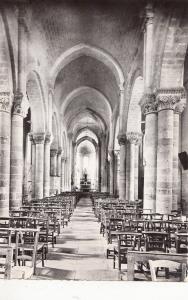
39,138
31,136
111,153
121,89
117,153
134,137
5,101
179,108
63,159
17,104
47,138
121,139
59,151
149,14
168,98
53,152
148,104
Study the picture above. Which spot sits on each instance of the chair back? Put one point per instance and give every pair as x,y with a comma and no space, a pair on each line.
24,239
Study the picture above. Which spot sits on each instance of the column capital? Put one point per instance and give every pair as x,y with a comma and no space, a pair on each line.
149,14
121,88
31,136
117,153
5,99
121,138
17,104
39,137
134,137
59,151
111,152
148,103
168,98
47,138
53,152
179,108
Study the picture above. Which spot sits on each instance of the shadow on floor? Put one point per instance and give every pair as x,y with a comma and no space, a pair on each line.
52,273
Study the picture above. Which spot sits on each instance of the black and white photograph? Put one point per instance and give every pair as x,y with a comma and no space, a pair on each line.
93,142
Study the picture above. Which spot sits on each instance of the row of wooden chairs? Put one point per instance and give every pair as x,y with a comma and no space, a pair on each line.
18,247
29,231
129,228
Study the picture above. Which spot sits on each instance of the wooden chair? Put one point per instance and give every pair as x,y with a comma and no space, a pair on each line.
27,249
128,241
156,241
115,224
177,273
4,222
181,242
5,236
6,255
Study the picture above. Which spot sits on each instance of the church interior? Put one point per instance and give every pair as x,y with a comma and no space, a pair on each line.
94,140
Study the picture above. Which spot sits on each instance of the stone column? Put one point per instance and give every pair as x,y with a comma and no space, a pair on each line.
149,108
16,159
47,165
111,153
103,164
121,106
176,182
59,162
122,171
16,154
148,47
97,169
22,49
4,153
136,170
39,164
53,162
166,101
62,185
73,162
134,139
27,170
65,174
116,171
33,158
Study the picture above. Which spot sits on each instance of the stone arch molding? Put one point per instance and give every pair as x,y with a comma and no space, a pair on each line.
36,101
87,138
80,91
84,49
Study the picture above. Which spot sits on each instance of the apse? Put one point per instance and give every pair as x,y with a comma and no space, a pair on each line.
86,164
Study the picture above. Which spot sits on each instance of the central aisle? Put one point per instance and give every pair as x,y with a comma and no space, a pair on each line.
80,252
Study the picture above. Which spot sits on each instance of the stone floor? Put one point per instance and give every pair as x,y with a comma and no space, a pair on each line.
80,252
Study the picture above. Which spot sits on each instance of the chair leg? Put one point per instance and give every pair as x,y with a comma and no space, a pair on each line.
119,261
114,261
43,256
